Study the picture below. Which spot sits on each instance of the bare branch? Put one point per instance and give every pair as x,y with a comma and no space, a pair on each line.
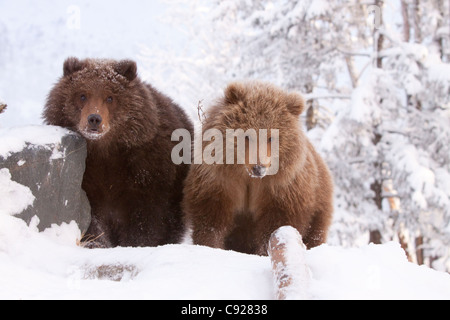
350,53
313,96
200,112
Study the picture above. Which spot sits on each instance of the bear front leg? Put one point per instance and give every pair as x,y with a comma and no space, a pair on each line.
210,233
268,221
211,224
318,229
210,214
95,237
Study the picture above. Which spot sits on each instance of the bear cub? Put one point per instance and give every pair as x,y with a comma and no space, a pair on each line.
238,206
134,188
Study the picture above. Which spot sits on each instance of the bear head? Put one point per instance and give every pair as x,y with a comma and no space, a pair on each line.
261,111
103,100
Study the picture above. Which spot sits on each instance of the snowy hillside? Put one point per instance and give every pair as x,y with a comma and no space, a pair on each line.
385,137
49,265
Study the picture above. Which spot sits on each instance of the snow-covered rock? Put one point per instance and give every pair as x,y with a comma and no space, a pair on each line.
49,265
50,162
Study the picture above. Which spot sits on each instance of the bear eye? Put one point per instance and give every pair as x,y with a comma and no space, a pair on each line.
83,97
109,99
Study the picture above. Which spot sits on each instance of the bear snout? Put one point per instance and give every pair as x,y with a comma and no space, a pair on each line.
258,171
94,121
94,126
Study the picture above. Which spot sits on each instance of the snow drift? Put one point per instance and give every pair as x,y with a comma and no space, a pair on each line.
50,265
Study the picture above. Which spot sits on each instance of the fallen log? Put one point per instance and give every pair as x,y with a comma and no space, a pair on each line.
290,272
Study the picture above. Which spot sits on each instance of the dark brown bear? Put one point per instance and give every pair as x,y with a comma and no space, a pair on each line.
133,186
238,206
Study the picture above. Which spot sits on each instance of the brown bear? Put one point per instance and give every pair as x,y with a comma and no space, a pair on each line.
238,206
134,188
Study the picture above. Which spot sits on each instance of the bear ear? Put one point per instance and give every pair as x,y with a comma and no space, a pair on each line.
295,104
72,65
234,93
127,68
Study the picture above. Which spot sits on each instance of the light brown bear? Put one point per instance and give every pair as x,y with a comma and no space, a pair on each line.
238,206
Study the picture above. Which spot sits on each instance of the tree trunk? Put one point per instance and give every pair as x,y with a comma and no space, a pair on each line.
406,25
379,37
376,186
394,205
417,30
351,71
375,237
419,250
403,238
441,39
311,118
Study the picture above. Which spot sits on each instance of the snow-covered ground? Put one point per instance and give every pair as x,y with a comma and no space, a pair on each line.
50,264
35,38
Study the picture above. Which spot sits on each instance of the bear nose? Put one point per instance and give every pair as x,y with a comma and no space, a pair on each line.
258,171
94,120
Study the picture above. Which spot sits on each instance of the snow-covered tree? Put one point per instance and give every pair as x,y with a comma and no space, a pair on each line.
389,149
388,145
194,74
299,45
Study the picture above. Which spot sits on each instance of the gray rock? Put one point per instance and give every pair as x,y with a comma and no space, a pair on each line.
54,174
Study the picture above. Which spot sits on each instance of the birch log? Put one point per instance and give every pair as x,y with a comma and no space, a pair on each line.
288,256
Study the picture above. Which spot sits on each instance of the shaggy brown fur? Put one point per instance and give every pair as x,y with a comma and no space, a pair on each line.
133,186
229,209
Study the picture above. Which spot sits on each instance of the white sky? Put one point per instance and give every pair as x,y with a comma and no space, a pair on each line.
37,36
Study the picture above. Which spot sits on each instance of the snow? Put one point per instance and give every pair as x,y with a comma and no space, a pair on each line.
17,138
440,72
49,265
373,272
52,265
318,7
292,275
14,198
